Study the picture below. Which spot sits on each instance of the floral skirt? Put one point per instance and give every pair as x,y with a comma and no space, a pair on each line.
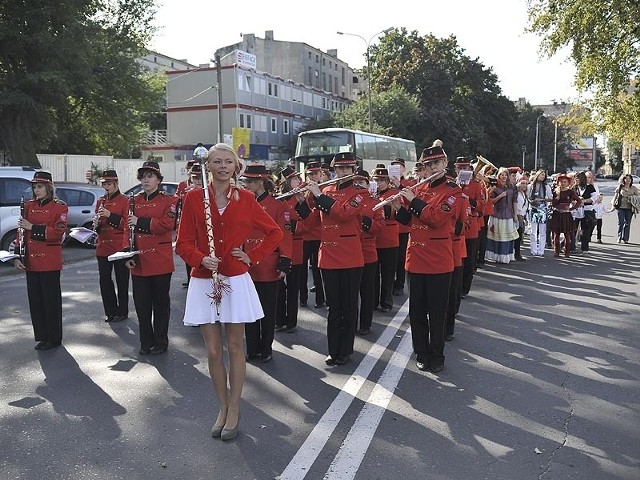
240,305
501,232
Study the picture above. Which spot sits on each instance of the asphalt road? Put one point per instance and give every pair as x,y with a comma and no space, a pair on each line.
541,382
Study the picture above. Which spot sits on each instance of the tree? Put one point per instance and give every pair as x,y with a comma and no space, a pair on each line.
604,39
393,112
68,75
460,100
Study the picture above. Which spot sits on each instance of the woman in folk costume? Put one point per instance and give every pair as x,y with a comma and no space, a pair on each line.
540,195
503,223
565,201
221,290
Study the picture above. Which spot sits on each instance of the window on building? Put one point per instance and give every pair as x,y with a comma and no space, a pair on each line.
310,76
324,63
285,127
248,121
241,120
244,82
343,76
324,81
309,55
274,125
335,89
317,59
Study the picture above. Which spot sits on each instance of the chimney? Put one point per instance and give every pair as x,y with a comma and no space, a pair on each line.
268,35
333,52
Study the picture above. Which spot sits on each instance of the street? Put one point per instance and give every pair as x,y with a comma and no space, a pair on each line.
541,382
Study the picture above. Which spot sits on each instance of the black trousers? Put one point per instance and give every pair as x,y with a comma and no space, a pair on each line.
153,308
469,264
517,243
310,249
385,276
455,292
428,298
398,284
288,294
342,289
482,241
45,305
260,333
114,304
367,294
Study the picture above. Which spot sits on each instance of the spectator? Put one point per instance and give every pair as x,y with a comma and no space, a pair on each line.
622,201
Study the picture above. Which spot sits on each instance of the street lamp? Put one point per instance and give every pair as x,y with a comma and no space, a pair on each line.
535,157
524,150
555,145
367,43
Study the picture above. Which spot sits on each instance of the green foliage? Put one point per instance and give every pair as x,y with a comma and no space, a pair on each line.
68,76
604,40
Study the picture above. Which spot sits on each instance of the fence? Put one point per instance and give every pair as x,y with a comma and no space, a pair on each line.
74,168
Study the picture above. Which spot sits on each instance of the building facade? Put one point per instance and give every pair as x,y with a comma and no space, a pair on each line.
259,112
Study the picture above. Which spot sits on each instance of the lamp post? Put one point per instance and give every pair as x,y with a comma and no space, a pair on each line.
367,43
555,145
524,150
535,157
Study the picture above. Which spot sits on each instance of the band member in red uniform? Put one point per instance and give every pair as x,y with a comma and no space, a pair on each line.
267,274
372,224
340,257
387,243
475,191
403,234
431,216
234,214
44,223
311,246
113,237
153,218
287,317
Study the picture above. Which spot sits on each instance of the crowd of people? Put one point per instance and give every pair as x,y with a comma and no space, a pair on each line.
248,239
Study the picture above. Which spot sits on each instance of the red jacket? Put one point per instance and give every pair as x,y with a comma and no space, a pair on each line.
404,183
460,228
297,233
153,233
477,200
44,240
388,235
230,230
279,260
340,213
431,216
113,232
372,225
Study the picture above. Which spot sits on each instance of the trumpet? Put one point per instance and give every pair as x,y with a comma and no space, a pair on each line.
481,163
304,187
393,198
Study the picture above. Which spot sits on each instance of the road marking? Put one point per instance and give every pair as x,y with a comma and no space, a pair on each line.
352,451
319,436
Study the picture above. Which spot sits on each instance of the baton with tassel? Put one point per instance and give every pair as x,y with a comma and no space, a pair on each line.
218,286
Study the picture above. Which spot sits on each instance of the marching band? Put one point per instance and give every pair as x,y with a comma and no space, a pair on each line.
349,230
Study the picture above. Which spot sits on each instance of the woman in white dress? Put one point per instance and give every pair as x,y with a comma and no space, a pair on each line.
234,213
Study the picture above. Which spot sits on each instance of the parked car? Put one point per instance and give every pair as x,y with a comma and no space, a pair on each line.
81,199
168,187
15,183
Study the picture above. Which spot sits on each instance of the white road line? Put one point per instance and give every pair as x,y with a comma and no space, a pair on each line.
346,463
317,439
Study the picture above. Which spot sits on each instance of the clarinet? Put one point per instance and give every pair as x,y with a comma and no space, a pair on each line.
22,250
96,218
132,228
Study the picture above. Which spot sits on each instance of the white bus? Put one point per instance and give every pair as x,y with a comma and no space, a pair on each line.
371,149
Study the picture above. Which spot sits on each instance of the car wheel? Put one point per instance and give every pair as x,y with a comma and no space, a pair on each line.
9,242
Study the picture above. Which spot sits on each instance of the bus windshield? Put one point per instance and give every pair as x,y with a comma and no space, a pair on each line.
321,144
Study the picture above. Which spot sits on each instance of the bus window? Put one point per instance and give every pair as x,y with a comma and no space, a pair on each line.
370,150
382,145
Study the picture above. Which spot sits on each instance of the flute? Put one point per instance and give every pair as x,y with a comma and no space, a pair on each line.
132,228
96,218
305,187
392,198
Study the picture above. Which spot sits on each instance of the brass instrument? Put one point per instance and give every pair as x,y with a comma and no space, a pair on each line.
22,250
392,198
481,163
304,187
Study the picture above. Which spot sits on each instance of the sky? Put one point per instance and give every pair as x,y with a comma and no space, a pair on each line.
491,31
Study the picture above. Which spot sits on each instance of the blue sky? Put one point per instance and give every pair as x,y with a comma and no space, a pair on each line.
490,30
